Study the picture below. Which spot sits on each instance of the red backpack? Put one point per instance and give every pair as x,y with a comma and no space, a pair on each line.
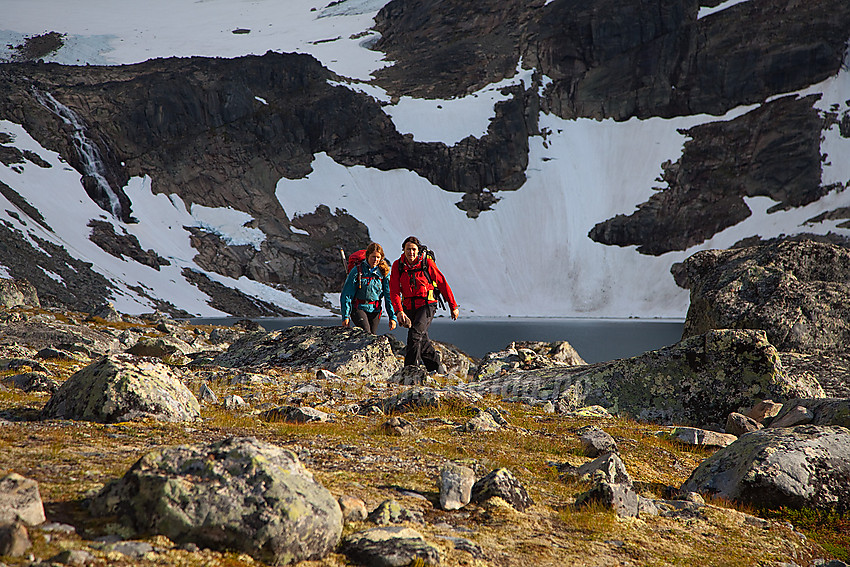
355,259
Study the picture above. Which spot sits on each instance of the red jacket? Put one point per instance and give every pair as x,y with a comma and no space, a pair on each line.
418,290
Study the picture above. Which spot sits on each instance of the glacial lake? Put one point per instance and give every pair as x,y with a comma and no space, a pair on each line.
596,340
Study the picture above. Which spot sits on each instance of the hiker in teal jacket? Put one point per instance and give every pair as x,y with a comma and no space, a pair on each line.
367,283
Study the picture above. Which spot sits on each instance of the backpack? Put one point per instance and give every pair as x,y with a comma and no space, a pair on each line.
425,254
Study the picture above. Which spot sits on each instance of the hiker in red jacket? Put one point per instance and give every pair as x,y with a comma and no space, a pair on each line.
413,280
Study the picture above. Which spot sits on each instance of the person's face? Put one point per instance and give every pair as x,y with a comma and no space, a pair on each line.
374,258
411,251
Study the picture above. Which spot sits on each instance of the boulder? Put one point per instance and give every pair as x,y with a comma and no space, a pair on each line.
796,292
618,497
159,347
527,355
353,509
699,380
392,512
395,546
605,468
341,350
482,421
399,427
20,500
295,414
455,486
818,411
122,387
737,424
807,466
415,398
14,293
595,441
764,409
32,382
503,484
237,494
14,539
702,437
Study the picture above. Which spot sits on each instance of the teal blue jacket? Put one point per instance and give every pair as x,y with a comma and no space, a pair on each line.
373,286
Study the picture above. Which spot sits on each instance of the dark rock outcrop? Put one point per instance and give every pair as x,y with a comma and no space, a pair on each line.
238,494
797,292
699,380
799,467
722,163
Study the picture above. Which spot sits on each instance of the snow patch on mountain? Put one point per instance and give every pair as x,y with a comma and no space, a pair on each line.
161,222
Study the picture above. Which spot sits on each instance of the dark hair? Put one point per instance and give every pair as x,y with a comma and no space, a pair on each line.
412,239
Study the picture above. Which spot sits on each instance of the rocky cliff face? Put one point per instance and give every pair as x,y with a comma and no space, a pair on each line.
221,132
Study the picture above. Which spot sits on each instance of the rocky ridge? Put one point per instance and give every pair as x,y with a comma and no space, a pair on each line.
220,132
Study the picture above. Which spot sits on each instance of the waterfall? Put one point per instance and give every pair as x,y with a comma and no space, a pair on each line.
89,154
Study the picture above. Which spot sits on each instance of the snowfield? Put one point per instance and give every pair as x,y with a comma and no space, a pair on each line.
530,256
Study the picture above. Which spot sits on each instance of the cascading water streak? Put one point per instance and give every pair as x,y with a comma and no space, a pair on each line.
88,152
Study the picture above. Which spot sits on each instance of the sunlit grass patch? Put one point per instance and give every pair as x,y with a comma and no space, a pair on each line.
830,528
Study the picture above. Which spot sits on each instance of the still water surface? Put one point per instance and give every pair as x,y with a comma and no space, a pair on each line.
596,340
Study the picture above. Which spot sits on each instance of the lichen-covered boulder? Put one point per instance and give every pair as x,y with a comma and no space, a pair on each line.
237,494
528,355
807,466
699,380
122,387
797,292
390,547
342,350
15,293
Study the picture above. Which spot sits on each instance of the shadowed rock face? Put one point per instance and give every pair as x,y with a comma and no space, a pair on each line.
797,292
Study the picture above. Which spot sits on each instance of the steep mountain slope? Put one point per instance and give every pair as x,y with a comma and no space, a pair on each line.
513,137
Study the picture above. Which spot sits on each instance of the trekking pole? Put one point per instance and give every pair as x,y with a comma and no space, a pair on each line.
344,261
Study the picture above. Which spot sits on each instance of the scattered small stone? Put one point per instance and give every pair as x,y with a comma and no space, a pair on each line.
455,486
480,423
233,402
134,549
608,468
14,539
295,414
353,509
207,395
20,500
75,557
595,442
799,415
588,412
505,485
703,437
549,407
400,427
32,382
467,545
323,374
737,424
391,512
765,409
691,496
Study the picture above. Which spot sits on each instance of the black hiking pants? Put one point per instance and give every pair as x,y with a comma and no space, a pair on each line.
366,321
418,344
